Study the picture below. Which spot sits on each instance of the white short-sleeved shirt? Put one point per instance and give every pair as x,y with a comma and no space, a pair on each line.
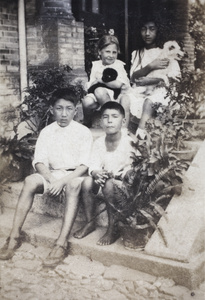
98,68
63,148
118,161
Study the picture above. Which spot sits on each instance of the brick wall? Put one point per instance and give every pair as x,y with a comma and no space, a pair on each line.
53,36
9,64
37,53
71,40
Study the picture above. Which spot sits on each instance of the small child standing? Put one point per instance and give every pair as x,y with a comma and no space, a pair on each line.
110,160
104,87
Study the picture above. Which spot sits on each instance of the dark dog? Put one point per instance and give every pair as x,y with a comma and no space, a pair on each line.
108,75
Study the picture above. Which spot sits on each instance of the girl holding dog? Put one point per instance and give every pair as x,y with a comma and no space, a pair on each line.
146,88
102,87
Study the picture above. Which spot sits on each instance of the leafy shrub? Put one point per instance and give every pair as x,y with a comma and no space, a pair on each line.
35,107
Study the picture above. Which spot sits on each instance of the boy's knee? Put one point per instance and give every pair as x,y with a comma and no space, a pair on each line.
74,185
33,183
108,187
87,183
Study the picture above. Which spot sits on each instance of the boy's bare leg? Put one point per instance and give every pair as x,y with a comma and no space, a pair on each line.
32,185
59,251
112,233
88,201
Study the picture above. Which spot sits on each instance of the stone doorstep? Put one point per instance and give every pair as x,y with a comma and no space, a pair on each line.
42,230
155,260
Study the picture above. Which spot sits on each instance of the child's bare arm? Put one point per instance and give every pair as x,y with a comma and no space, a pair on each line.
45,172
147,81
154,65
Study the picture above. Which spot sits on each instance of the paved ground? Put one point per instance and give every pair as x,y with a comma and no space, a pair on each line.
79,278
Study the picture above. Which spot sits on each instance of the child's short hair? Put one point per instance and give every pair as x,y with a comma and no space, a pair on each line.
112,105
107,40
68,94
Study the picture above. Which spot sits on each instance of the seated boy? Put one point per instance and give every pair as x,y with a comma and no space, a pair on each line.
60,160
110,160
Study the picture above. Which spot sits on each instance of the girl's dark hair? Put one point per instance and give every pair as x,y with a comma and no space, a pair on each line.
68,94
161,33
112,105
107,40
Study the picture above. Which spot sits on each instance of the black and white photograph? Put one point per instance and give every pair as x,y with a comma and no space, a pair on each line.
102,142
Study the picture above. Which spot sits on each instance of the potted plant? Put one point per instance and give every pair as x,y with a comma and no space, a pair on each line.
180,134
147,188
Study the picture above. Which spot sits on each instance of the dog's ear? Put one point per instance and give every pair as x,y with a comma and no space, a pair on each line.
171,47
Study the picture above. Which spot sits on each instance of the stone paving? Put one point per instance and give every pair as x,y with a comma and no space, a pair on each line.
80,278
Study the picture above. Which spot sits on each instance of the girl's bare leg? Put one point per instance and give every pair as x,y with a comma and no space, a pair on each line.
89,106
102,95
147,114
125,102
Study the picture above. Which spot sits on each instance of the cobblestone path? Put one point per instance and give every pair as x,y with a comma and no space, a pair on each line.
79,278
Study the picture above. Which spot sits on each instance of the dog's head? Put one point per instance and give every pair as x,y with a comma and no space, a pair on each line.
172,50
109,74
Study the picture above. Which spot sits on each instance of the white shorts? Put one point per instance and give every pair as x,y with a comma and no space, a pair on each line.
58,174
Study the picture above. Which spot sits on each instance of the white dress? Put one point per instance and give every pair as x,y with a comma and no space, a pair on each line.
140,93
97,71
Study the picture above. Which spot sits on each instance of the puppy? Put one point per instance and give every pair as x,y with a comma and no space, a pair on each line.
171,50
109,74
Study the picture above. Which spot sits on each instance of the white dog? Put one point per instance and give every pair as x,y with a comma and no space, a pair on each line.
171,50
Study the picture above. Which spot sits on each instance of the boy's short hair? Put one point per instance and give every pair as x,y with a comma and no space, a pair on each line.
112,105
64,93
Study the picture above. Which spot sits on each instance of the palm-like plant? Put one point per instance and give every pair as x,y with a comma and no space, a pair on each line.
147,188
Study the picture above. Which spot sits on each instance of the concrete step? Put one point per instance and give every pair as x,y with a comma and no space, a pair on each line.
183,259
42,230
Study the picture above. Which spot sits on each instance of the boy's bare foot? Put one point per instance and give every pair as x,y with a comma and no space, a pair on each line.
88,228
108,238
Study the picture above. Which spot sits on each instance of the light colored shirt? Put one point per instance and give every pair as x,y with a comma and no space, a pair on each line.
118,161
98,68
63,147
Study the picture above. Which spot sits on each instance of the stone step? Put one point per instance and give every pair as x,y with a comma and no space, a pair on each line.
183,259
42,230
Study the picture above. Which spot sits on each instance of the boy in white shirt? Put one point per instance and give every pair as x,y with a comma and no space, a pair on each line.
61,159
110,160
